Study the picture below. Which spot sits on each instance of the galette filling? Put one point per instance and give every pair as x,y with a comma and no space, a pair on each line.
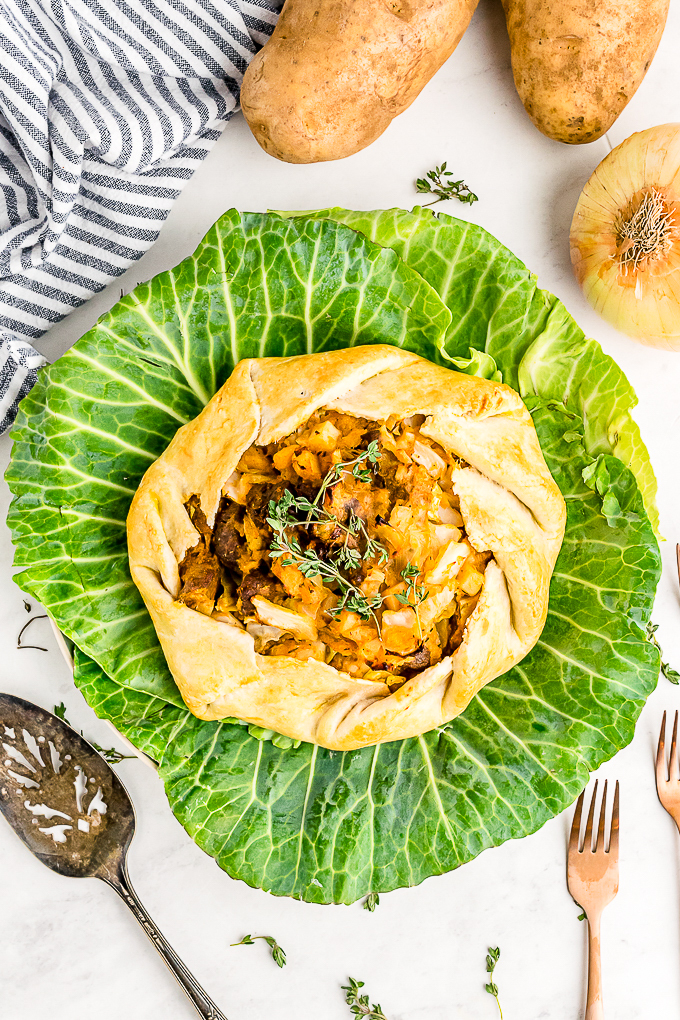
342,542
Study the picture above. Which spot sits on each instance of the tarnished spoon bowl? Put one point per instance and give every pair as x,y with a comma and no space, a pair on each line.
73,813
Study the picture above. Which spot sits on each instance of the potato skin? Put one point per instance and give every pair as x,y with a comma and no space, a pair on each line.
335,73
577,63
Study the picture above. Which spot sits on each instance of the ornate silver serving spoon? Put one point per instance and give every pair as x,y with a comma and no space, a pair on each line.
74,814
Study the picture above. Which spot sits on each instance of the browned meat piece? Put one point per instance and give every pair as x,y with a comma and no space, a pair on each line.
257,583
228,541
341,505
193,508
387,469
464,609
407,665
199,572
258,499
351,496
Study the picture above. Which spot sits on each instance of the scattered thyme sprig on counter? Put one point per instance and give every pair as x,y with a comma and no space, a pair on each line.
433,183
42,616
110,754
371,902
492,987
671,674
359,1004
278,955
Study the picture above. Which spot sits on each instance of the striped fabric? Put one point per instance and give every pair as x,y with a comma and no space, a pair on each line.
106,109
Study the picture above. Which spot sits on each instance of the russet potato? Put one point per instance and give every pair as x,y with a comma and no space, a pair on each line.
577,63
335,73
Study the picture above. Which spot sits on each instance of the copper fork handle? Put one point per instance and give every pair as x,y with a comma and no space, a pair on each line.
594,1010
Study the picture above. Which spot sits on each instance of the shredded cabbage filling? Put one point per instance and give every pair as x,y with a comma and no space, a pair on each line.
342,542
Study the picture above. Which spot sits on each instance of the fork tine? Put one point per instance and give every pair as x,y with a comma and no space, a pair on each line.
673,771
614,835
661,770
599,839
588,839
575,834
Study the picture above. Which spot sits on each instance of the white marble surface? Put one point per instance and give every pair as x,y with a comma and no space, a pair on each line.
69,949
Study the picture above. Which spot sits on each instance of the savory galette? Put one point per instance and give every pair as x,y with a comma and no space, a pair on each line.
345,547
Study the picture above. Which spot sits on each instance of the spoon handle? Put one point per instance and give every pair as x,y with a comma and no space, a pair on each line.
120,881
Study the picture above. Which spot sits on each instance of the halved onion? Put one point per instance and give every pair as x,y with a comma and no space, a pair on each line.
625,237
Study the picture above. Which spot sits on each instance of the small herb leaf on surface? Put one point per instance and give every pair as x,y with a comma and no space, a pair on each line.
359,1004
667,671
491,987
278,955
109,755
435,183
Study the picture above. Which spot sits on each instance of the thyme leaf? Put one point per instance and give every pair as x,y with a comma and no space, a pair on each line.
110,754
359,1004
293,511
371,901
434,183
670,674
362,473
415,593
492,987
296,511
278,955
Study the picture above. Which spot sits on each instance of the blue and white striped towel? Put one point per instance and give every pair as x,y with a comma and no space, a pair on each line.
106,109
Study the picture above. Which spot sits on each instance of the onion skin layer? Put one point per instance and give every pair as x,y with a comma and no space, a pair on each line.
643,302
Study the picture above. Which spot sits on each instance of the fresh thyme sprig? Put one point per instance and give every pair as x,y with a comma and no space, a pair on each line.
371,901
415,593
433,183
311,565
110,754
38,648
492,987
363,474
373,549
671,674
296,511
359,1004
278,955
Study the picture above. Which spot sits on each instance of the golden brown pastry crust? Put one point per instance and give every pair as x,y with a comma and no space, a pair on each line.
508,499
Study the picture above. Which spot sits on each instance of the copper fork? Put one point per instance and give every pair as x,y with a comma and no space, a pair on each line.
668,777
593,881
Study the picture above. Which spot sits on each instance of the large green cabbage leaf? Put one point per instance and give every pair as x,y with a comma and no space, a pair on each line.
307,822
256,286
498,308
